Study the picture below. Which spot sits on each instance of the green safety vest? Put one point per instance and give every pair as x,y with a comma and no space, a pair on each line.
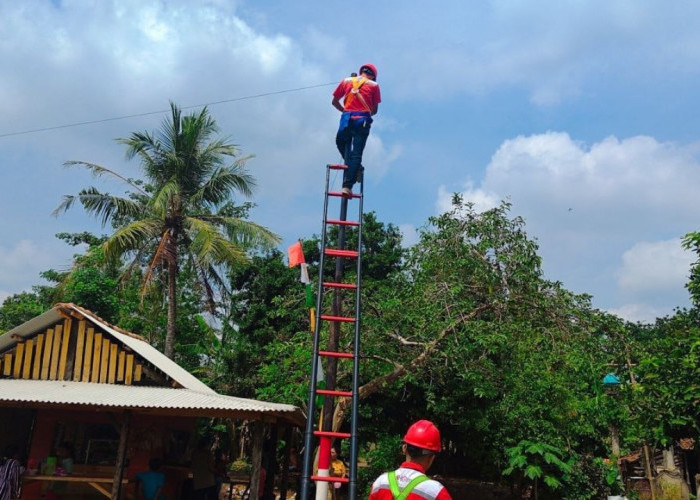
403,494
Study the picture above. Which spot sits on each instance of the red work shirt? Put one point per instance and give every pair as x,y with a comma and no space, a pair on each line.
427,490
369,92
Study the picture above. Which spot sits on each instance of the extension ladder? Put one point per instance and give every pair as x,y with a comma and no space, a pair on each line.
332,355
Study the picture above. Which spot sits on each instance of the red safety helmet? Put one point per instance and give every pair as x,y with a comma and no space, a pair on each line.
423,434
371,69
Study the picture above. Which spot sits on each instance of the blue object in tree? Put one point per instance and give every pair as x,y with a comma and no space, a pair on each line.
611,380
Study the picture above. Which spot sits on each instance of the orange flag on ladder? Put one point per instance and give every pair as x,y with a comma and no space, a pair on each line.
296,254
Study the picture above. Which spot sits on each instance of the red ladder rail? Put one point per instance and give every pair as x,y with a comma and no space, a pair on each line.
333,284
337,252
333,354
342,222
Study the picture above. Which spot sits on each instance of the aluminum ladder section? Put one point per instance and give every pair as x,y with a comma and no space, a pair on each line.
332,355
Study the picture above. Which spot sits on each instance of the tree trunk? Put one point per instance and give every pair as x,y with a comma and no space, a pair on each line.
169,350
615,440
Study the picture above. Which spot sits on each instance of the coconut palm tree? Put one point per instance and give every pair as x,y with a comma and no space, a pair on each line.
182,213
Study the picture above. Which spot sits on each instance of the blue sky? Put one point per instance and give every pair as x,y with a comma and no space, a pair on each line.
582,114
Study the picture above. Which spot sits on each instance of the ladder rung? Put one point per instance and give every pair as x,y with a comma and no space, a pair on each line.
333,284
337,166
331,434
334,252
328,392
338,193
332,354
342,222
342,319
330,479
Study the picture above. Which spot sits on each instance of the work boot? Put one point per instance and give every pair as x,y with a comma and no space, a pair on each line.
346,192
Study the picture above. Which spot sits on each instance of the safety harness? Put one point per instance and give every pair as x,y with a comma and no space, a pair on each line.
357,84
399,494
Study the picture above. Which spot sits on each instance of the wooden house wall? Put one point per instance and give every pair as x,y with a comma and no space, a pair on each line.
71,350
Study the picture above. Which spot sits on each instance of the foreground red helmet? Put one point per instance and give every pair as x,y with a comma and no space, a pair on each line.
423,434
371,67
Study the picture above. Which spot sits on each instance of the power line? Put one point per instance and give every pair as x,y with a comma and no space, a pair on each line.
92,122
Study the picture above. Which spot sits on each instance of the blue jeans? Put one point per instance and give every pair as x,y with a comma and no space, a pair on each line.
351,142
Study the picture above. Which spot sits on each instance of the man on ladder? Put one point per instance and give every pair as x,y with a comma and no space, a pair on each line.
361,98
409,482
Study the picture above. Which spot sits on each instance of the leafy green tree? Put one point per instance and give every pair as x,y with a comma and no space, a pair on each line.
465,330
93,282
538,462
21,307
664,400
267,311
182,213
691,241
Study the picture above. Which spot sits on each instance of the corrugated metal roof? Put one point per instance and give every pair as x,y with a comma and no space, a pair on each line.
63,393
134,342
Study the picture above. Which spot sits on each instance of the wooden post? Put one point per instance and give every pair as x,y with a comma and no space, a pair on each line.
285,461
271,464
121,456
652,482
256,457
669,462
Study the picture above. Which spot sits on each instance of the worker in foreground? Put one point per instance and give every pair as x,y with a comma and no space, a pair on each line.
361,98
409,482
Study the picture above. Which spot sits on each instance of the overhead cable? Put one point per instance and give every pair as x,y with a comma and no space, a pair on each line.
103,120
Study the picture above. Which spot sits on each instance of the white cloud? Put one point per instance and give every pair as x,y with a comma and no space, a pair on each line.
639,313
590,206
659,265
621,187
381,156
409,235
554,51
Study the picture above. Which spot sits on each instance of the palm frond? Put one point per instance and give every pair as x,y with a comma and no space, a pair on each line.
222,184
132,237
248,234
166,201
209,246
151,153
102,205
242,232
159,255
99,171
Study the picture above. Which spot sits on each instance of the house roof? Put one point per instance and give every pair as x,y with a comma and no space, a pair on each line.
135,342
186,395
142,399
